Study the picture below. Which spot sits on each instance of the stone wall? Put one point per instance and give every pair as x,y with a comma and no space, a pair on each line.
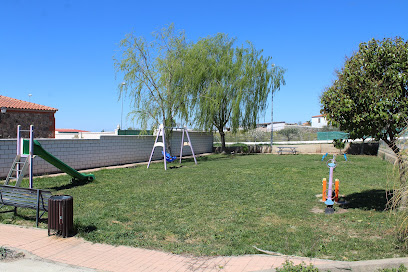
385,153
106,151
44,123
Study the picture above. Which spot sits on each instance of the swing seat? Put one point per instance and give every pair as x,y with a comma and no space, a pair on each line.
169,158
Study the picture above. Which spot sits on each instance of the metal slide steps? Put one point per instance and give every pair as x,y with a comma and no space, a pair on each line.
18,170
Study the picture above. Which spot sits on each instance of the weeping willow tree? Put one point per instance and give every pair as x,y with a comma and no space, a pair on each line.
153,75
231,84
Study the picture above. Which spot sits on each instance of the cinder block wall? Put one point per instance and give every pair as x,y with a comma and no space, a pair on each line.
106,151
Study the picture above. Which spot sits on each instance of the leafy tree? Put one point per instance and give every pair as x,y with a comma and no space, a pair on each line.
153,76
328,128
370,95
231,84
339,144
288,132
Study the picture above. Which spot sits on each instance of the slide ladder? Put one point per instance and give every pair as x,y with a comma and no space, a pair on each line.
18,170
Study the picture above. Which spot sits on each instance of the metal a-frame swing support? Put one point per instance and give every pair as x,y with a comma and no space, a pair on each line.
19,168
162,144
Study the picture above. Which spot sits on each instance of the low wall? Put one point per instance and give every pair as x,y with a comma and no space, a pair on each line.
312,148
106,151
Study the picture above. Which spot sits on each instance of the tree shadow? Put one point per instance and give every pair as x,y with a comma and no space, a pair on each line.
368,200
219,157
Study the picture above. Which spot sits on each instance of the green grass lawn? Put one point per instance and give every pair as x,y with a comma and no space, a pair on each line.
225,205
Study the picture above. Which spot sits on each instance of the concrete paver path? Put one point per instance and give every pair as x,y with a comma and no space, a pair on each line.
53,253
78,252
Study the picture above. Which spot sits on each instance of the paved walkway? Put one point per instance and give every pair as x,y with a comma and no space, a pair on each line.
80,253
52,253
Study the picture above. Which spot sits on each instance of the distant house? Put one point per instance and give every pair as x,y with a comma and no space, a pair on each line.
68,133
18,112
69,130
319,121
267,126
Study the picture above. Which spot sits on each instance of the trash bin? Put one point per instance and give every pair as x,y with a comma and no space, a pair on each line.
61,214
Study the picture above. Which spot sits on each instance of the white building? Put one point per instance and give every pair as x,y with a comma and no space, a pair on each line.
319,121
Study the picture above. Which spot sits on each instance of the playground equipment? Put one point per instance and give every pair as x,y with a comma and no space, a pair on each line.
325,155
27,149
327,195
167,156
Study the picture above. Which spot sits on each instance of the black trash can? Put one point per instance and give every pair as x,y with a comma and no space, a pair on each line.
61,215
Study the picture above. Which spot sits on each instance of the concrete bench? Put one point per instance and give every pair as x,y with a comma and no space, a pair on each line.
287,149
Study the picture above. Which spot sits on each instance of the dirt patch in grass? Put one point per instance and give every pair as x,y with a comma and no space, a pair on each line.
321,210
317,210
7,254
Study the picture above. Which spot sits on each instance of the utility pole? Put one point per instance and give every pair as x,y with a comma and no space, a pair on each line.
272,124
121,115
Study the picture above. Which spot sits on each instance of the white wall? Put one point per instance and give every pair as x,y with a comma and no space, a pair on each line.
106,151
83,135
319,122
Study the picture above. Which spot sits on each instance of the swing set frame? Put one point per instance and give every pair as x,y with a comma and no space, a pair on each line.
162,144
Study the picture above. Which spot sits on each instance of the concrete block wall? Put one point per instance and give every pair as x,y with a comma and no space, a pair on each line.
106,151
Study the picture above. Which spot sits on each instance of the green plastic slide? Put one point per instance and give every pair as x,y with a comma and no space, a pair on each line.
76,176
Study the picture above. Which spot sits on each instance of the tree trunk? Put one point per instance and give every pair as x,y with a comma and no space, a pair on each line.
362,148
169,134
222,134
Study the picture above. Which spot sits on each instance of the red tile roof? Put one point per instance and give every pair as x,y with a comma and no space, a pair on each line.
321,115
69,130
12,103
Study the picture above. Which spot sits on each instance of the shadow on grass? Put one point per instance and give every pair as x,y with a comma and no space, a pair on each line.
43,219
73,184
82,229
368,200
218,157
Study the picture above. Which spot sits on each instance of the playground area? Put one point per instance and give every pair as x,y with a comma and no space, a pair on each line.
227,204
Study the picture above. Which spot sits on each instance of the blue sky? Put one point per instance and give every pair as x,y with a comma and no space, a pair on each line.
62,51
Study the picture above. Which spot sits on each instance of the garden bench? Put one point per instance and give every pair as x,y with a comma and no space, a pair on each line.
287,149
35,199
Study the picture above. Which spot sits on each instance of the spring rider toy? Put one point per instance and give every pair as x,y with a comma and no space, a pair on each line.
328,195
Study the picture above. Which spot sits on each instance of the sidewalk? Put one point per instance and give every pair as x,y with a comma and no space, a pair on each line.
80,253
52,253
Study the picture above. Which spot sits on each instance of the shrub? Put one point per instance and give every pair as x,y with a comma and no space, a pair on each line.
289,266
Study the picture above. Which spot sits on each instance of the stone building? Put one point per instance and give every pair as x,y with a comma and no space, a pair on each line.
18,112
